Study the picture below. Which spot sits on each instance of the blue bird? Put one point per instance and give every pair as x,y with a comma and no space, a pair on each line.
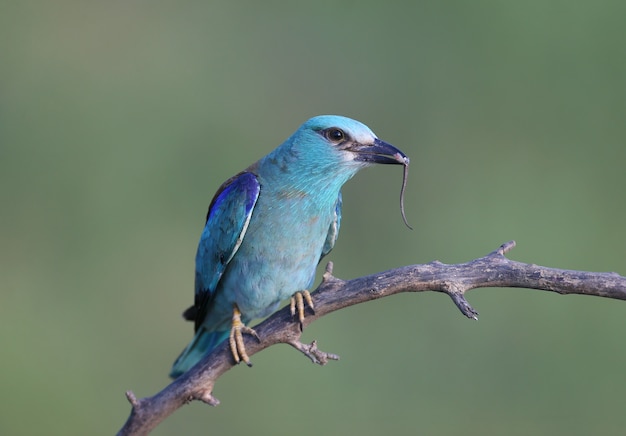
269,226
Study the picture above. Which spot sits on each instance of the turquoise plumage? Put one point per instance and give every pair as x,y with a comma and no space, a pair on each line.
268,227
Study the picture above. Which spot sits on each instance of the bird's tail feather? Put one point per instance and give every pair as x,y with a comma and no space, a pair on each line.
201,345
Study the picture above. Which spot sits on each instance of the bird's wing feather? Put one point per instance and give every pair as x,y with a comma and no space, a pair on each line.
333,230
226,224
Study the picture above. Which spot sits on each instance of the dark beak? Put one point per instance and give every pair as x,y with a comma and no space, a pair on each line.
380,152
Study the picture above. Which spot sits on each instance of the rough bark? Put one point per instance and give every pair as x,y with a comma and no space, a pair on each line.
492,270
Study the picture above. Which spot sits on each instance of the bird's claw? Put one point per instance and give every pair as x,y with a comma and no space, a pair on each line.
297,304
237,347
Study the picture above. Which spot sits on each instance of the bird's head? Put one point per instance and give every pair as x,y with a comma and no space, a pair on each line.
345,141
325,152
329,149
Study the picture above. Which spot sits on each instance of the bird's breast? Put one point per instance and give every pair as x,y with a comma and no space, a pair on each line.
279,253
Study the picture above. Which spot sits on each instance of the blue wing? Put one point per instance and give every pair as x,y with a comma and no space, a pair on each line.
227,221
333,230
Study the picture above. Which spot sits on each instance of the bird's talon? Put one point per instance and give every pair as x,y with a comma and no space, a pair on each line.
297,304
292,306
237,347
308,299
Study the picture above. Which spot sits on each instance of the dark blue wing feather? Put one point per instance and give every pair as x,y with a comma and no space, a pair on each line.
227,221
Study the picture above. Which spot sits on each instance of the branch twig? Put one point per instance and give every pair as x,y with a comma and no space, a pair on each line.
493,270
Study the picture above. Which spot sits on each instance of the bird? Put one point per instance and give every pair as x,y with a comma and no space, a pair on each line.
268,227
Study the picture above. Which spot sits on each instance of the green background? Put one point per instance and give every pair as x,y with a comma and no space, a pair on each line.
119,119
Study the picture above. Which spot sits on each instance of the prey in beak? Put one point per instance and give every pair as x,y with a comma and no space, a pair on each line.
381,152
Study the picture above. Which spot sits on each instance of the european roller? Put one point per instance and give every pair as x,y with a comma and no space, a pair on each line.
269,226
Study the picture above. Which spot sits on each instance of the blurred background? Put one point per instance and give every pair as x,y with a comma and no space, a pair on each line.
119,120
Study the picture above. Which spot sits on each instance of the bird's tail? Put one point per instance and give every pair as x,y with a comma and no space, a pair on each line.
201,345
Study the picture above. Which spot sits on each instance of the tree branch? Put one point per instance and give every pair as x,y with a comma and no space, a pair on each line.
493,270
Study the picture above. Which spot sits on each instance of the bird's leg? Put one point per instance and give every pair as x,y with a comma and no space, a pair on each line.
297,303
236,337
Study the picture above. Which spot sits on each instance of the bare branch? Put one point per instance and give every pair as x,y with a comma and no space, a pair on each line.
493,270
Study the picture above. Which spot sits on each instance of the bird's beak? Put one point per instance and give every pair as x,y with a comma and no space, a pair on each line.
380,152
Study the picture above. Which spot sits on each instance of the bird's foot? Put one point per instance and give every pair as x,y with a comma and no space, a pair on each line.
238,328
297,304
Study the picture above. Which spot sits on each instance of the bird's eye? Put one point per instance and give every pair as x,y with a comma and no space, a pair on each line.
335,135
